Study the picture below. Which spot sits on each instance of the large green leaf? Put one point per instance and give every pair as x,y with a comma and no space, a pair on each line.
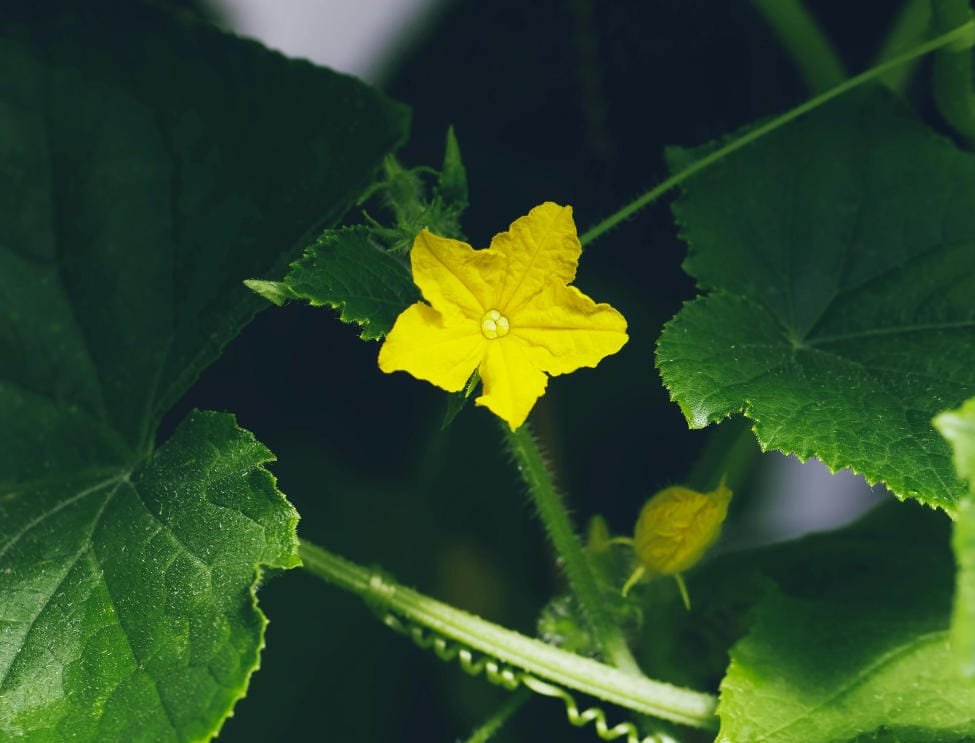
958,428
835,637
128,607
148,164
854,641
838,260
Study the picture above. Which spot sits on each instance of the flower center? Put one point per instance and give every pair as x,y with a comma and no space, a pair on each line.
494,325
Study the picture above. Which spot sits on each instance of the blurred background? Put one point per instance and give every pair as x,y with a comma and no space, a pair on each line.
571,101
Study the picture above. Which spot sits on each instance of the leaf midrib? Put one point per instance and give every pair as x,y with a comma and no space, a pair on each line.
890,330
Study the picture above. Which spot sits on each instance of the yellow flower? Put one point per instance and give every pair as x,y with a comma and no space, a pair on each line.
674,530
507,311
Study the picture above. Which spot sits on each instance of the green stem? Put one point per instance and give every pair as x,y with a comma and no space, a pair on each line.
582,580
537,658
730,452
804,40
954,74
959,34
487,730
910,24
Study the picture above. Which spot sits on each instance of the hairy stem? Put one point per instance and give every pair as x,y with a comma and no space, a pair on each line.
959,35
551,510
537,658
804,40
487,730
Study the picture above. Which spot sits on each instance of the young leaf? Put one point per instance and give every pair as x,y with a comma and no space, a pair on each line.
345,269
838,257
452,183
360,270
148,164
958,427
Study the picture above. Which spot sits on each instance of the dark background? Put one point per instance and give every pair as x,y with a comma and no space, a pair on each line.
568,101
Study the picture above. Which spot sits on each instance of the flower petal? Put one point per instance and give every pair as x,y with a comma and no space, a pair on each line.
512,384
452,276
563,329
540,247
423,344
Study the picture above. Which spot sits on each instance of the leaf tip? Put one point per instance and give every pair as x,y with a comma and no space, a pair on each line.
275,292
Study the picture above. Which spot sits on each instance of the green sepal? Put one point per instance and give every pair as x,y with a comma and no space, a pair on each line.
457,401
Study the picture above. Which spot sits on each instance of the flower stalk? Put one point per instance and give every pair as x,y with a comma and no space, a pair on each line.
582,581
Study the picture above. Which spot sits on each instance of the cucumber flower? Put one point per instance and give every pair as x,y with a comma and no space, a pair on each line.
506,311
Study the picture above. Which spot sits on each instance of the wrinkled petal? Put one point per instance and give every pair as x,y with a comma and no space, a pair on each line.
677,526
540,247
563,329
453,277
511,383
441,352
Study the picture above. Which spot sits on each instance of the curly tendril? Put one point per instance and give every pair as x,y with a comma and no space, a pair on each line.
511,678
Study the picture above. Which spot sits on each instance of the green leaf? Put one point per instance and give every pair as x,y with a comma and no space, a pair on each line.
148,164
854,641
360,270
958,428
835,637
129,610
838,260
821,672
346,269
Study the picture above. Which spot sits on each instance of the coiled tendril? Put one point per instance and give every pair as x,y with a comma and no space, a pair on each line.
511,678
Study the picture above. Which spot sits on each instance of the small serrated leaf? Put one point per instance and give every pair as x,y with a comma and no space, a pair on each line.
346,270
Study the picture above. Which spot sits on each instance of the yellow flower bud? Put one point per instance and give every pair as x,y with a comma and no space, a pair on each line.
674,530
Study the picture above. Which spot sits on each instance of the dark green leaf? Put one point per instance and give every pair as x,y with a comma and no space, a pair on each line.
148,164
838,257
958,427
